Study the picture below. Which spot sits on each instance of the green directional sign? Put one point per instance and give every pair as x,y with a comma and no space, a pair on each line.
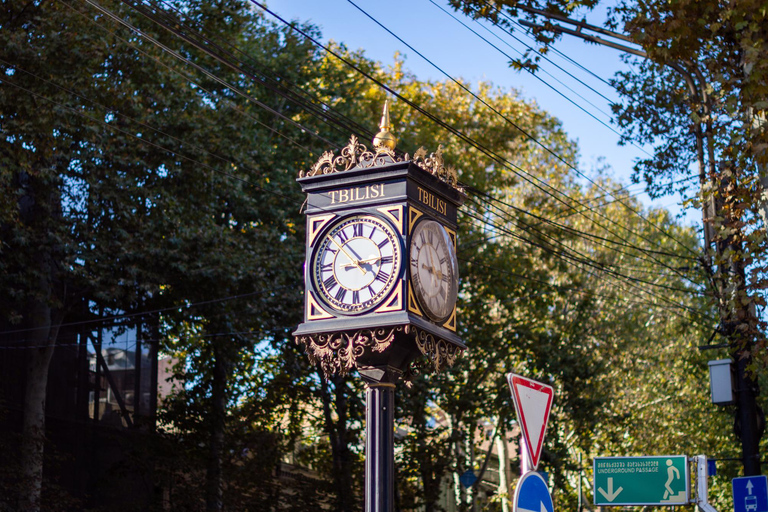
658,480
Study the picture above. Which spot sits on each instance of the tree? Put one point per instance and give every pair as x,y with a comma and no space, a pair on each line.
173,188
698,96
120,192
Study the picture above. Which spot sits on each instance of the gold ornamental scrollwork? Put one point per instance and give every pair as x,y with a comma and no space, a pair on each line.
356,156
440,352
337,353
435,165
353,156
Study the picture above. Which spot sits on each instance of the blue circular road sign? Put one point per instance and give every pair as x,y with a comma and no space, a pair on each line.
532,494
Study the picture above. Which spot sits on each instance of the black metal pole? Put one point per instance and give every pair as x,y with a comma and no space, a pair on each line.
746,415
379,447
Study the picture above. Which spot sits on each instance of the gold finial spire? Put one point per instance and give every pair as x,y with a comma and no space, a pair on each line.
385,138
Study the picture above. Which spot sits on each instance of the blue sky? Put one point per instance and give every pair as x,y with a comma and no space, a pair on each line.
461,53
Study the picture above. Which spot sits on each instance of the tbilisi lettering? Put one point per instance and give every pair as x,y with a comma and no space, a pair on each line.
347,195
432,201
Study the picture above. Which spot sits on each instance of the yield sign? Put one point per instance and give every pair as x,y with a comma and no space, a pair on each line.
532,403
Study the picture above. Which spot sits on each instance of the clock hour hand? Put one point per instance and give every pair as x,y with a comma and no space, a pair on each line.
366,261
431,271
355,263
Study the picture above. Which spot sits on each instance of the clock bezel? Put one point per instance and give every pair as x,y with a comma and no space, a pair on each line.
416,283
315,263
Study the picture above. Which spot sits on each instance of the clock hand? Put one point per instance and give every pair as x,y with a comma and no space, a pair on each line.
434,270
430,269
371,259
361,262
355,263
432,274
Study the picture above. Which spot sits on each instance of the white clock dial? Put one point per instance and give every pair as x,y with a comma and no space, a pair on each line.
434,269
357,263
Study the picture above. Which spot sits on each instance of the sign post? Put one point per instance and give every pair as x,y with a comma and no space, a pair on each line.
658,480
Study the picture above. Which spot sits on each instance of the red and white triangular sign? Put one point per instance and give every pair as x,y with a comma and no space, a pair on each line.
533,401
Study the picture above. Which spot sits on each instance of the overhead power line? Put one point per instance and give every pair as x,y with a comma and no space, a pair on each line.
497,112
112,127
525,175
219,57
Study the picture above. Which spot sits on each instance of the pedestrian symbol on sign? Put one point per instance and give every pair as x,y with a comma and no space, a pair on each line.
672,474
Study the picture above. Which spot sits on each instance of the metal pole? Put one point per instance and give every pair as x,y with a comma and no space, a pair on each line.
746,415
525,461
379,447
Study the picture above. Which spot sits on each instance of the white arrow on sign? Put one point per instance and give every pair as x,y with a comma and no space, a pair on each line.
543,509
611,494
749,486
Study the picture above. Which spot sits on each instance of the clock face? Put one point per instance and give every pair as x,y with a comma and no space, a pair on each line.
356,263
434,270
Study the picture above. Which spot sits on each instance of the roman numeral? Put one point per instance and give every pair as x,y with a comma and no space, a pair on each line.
355,297
387,259
340,294
429,235
373,230
421,237
326,266
382,276
330,283
357,229
383,243
370,290
342,236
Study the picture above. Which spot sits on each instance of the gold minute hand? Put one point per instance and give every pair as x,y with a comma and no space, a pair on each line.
353,260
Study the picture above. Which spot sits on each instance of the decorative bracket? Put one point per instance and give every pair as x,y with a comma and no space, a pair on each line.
338,353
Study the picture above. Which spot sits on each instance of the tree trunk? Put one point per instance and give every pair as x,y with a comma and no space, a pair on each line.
337,432
214,493
501,449
41,343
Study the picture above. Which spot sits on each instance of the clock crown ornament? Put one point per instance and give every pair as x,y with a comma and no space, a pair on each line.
381,273
385,138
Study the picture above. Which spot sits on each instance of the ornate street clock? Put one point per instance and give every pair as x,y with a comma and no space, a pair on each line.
381,274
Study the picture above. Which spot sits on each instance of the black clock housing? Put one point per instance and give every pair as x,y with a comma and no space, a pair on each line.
395,194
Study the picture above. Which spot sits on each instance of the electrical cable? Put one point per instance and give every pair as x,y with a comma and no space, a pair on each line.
528,228
514,168
630,284
278,80
532,73
207,73
140,139
218,57
573,255
575,231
